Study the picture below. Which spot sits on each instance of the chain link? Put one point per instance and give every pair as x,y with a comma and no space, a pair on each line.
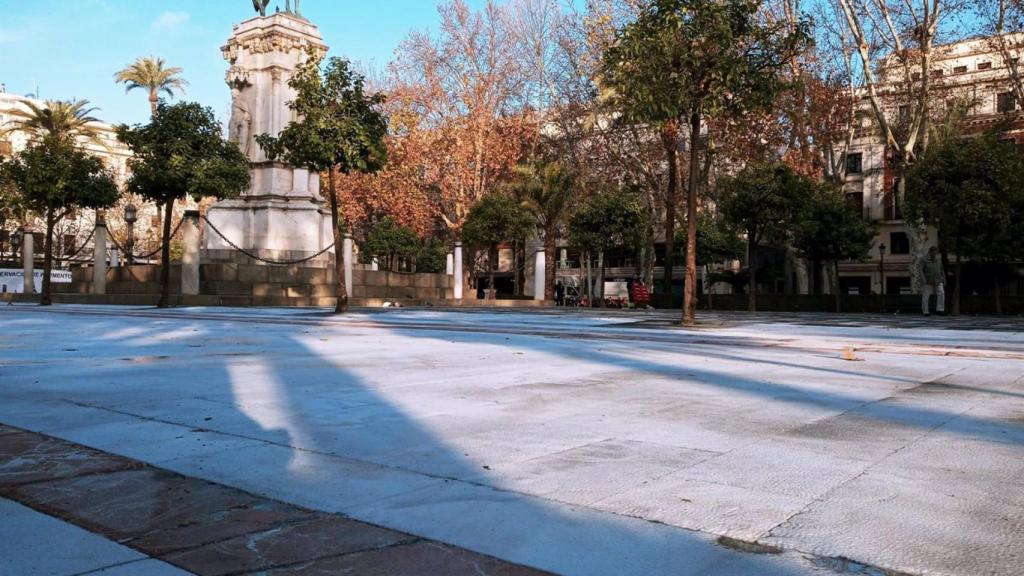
70,257
260,258
150,254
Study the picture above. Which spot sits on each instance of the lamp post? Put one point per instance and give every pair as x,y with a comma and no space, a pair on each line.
131,216
881,271
15,245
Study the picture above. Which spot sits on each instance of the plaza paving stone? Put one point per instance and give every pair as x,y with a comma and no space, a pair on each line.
590,444
203,527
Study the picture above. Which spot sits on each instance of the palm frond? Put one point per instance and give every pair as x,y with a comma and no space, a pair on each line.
151,74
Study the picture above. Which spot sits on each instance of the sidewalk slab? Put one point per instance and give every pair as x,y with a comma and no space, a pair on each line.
34,544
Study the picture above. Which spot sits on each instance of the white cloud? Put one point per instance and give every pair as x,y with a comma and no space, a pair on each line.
169,20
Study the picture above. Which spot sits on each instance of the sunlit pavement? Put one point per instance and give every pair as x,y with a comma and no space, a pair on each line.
579,443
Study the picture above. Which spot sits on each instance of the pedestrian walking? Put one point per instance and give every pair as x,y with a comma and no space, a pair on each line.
933,281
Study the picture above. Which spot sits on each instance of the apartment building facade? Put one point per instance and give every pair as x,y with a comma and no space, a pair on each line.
972,77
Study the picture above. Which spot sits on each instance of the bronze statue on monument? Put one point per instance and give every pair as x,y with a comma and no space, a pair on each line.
261,7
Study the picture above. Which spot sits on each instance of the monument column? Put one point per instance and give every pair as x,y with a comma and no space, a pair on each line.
457,278
28,260
190,255
281,215
99,258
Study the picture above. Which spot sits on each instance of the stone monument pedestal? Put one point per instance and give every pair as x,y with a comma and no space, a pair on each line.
282,215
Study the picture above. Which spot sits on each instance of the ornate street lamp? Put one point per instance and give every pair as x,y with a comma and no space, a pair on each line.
131,216
881,271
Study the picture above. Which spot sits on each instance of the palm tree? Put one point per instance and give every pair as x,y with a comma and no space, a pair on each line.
58,121
547,190
149,73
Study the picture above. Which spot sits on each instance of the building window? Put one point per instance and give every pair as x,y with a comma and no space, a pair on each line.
960,70
904,111
937,73
1006,102
984,66
856,202
915,76
899,243
854,163
69,244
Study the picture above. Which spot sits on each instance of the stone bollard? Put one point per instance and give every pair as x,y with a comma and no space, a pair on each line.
457,280
190,254
346,249
539,272
28,258
99,258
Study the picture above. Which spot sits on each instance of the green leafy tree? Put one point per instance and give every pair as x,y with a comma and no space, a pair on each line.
179,154
340,128
685,62
763,201
830,230
154,76
717,242
433,257
389,240
970,191
495,219
547,190
53,178
613,219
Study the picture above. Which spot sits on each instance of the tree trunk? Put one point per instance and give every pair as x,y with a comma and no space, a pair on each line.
690,287
998,296
590,285
959,280
837,290
550,262
600,281
492,257
752,265
707,282
45,299
165,257
341,293
670,142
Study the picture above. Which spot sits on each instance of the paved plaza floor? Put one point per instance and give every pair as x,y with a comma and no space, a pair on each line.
507,442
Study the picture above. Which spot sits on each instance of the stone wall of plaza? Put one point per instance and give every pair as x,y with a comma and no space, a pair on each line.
247,283
969,71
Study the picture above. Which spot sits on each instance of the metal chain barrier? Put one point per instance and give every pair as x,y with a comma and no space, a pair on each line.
260,258
150,254
71,257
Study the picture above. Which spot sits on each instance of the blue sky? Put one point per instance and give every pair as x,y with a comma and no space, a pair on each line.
71,49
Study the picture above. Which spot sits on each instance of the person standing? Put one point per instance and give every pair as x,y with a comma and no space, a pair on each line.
933,281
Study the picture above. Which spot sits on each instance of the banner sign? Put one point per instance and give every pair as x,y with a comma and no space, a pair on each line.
12,280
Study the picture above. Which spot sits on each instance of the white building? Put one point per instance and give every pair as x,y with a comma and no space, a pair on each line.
74,231
971,73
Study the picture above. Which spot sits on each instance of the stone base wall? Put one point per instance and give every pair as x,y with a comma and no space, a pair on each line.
250,284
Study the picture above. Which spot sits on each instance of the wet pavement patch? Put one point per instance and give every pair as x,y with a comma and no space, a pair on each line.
749,547
210,529
841,565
